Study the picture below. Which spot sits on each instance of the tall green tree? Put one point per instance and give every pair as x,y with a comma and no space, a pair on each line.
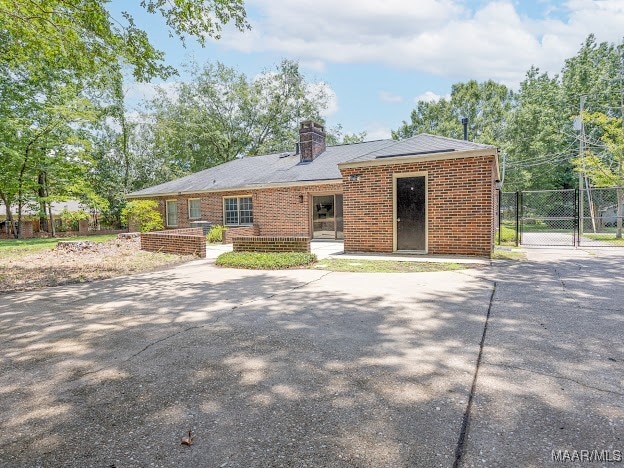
485,105
43,138
539,139
605,167
223,114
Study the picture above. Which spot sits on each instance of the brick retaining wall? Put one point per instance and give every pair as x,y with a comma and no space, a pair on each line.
271,244
190,241
230,233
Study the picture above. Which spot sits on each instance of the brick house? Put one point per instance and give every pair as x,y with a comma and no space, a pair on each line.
425,194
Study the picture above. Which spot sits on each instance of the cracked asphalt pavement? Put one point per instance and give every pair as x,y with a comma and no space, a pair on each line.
310,368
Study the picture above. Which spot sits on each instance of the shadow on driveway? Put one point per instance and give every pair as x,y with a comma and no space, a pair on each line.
267,368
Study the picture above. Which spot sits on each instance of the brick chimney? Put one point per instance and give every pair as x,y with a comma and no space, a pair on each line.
311,140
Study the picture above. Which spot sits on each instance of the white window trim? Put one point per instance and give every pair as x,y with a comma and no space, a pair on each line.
167,212
188,204
238,207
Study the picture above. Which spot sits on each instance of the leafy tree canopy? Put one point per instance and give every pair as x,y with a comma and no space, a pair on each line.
81,35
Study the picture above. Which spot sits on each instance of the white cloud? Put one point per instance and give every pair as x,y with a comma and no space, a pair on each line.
377,131
430,96
314,65
390,98
332,98
146,91
442,37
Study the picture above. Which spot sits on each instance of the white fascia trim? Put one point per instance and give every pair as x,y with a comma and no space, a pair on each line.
242,188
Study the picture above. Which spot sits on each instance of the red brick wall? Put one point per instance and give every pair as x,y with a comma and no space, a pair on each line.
276,211
460,206
271,244
176,241
230,234
26,230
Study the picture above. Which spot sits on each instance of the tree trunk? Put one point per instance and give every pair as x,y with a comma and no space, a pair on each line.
43,219
9,215
47,193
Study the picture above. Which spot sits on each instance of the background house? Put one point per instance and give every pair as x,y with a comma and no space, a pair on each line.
425,194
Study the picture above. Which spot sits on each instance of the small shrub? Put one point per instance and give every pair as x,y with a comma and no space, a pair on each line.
144,214
265,261
216,233
507,236
70,219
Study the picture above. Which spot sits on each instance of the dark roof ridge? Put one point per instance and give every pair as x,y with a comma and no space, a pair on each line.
451,139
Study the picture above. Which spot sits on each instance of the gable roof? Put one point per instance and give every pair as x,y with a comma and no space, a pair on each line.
286,168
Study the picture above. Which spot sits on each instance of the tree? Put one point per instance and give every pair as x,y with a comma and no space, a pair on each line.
43,150
81,35
533,126
142,215
486,105
539,138
336,136
606,168
222,114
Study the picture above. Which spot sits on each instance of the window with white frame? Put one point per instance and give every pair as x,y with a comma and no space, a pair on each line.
237,210
194,208
172,212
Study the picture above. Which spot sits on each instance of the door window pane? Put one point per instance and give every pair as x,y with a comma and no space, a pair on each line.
339,218
411,213
323,221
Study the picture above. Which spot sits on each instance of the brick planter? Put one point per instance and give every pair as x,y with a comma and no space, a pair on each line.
189,241
271,244
230,233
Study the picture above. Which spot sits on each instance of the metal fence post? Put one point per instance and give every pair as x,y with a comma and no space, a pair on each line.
578,218
500,227
518,204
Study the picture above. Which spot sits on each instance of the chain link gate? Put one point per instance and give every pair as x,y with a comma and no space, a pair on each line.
599,217
559,218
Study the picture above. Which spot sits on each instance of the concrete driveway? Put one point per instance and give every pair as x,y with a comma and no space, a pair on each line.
309,368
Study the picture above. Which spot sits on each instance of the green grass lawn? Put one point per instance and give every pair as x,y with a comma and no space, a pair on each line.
386,266
508,236
608,237
17,247
265,261
508,254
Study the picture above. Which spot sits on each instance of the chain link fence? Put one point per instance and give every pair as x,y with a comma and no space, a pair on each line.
507,219
601,217
589,218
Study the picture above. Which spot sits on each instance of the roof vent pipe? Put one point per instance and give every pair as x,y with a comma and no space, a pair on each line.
465,124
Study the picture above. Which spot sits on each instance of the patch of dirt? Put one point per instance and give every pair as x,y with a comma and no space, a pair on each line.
88,261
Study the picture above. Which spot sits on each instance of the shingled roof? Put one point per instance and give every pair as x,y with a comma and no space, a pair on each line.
285,168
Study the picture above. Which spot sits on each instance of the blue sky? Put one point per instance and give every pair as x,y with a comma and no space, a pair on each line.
377,57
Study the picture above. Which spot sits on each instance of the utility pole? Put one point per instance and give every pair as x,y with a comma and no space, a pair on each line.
582,156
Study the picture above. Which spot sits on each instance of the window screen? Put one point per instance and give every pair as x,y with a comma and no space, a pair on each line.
194,209
172,213
231,211
238,210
